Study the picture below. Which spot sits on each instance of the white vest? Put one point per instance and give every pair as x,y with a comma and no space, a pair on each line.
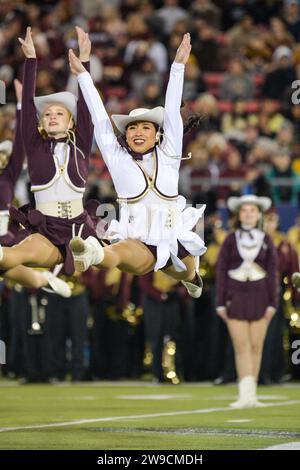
132,182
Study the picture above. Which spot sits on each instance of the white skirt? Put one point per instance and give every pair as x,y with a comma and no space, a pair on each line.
162,224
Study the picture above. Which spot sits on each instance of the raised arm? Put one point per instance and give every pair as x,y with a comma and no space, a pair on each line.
15,163
84,125
173,127
11,173
29,121
104,132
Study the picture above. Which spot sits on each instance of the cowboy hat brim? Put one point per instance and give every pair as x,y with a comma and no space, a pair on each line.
155,115
234,203
64,98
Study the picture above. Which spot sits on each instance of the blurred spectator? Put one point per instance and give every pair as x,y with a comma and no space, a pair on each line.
241,34
206,10
237,83
277,85
148,47
152,96
206,47
193,82
291,17
171,12
206,105
285,182
233,173
278,35
196,178
217,146
239,118
141,72
258,54
285,136
270,120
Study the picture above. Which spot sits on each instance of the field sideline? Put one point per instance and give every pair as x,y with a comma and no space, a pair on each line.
137,415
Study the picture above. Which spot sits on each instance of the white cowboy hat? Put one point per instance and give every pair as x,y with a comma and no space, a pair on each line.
6,147
263,203
64,98
155,115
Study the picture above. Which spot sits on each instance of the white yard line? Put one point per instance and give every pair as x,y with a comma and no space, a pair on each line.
144,416
287,446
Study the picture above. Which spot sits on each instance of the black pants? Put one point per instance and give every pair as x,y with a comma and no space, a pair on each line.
162,321
117,346
68,321
29,349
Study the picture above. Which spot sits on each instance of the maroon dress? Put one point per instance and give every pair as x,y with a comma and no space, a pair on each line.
41,168
247,300
8,179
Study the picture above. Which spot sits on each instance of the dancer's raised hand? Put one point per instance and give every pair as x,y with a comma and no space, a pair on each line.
75,64
183,51
84,44
27,45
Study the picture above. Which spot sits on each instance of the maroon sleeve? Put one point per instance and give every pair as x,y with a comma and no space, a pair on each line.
221,272
272,273
11,173
84,126
146,285
29,120
15,164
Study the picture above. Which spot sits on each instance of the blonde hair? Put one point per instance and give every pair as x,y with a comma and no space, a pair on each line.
41,128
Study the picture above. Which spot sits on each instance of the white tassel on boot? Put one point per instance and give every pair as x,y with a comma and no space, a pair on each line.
247,394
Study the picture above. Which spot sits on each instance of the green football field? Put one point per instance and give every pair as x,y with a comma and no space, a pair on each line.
136,415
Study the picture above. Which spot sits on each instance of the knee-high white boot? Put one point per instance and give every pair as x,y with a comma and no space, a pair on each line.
194,288
247,394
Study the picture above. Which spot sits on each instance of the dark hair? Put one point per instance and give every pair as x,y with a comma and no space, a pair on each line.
194,120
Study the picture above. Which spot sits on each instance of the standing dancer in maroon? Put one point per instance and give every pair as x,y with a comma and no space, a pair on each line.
247,290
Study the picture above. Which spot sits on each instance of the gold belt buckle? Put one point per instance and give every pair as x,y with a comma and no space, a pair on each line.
64,210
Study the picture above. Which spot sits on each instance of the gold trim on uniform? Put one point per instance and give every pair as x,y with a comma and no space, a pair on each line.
151,184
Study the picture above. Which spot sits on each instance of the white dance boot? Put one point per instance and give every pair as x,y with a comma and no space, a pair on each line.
247,394
194,289
86,253
58,286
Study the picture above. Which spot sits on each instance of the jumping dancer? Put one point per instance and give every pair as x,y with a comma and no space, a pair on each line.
12,158
154,231
57,133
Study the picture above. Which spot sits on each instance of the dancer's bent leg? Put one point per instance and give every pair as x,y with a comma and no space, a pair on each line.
27,277
130,256
35,250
